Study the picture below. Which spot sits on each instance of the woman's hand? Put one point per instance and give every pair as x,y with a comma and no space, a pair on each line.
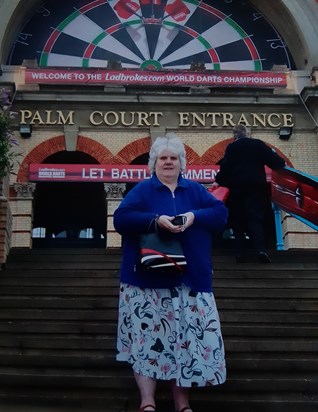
164,222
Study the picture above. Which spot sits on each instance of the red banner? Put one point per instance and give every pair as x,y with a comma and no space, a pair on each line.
108,173
156,78
113,173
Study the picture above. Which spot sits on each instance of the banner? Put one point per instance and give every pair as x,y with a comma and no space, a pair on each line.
114,173
109,173
156,78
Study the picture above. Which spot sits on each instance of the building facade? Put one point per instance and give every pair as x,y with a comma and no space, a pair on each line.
94,82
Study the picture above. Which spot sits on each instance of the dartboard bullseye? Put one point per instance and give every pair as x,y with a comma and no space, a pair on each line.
151,34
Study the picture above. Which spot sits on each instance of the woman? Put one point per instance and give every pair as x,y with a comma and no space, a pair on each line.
168,325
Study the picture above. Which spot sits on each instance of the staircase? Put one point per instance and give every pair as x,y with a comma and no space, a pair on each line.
58,312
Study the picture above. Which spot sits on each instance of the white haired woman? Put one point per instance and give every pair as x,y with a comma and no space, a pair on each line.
168,326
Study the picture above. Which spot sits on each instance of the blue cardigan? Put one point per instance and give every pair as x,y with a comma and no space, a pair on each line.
149,199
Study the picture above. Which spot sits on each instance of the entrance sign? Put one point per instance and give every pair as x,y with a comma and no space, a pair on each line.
109,173
156,78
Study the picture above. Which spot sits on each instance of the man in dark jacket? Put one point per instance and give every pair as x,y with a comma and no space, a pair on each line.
242,171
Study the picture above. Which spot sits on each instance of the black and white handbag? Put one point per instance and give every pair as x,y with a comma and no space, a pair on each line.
161,253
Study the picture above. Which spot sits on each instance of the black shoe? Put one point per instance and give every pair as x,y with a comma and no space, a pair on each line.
263,257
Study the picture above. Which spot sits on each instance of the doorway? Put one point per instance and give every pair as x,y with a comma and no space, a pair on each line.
69,214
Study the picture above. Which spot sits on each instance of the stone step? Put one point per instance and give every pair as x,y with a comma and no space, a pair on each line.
57,265
110,327
60,282
297,254
18,251
255,266
57,302
259,293
108,342
105,359
226,315
105,264
261,273
301,258
59,326
272,361
104,257
220,292
121,378
60,290
110,301
310,318
58,314
304,305
61,273
293,330
116,400
51,281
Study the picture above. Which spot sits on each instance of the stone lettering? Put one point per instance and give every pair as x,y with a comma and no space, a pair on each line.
138,119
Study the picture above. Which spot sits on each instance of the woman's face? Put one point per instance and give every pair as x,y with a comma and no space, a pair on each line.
168,166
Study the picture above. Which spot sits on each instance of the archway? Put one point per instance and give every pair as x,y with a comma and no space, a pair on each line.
69,214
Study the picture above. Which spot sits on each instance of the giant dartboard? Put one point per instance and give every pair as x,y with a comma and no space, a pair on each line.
150,34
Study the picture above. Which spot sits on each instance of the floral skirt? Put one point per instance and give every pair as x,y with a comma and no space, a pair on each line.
171,334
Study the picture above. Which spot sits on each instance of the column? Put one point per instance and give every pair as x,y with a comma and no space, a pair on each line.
114,195
22,214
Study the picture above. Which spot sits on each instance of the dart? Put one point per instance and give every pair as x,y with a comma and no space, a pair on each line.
177,10
126,9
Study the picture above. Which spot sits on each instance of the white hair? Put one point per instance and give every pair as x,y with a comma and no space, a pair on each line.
240,131
169,142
